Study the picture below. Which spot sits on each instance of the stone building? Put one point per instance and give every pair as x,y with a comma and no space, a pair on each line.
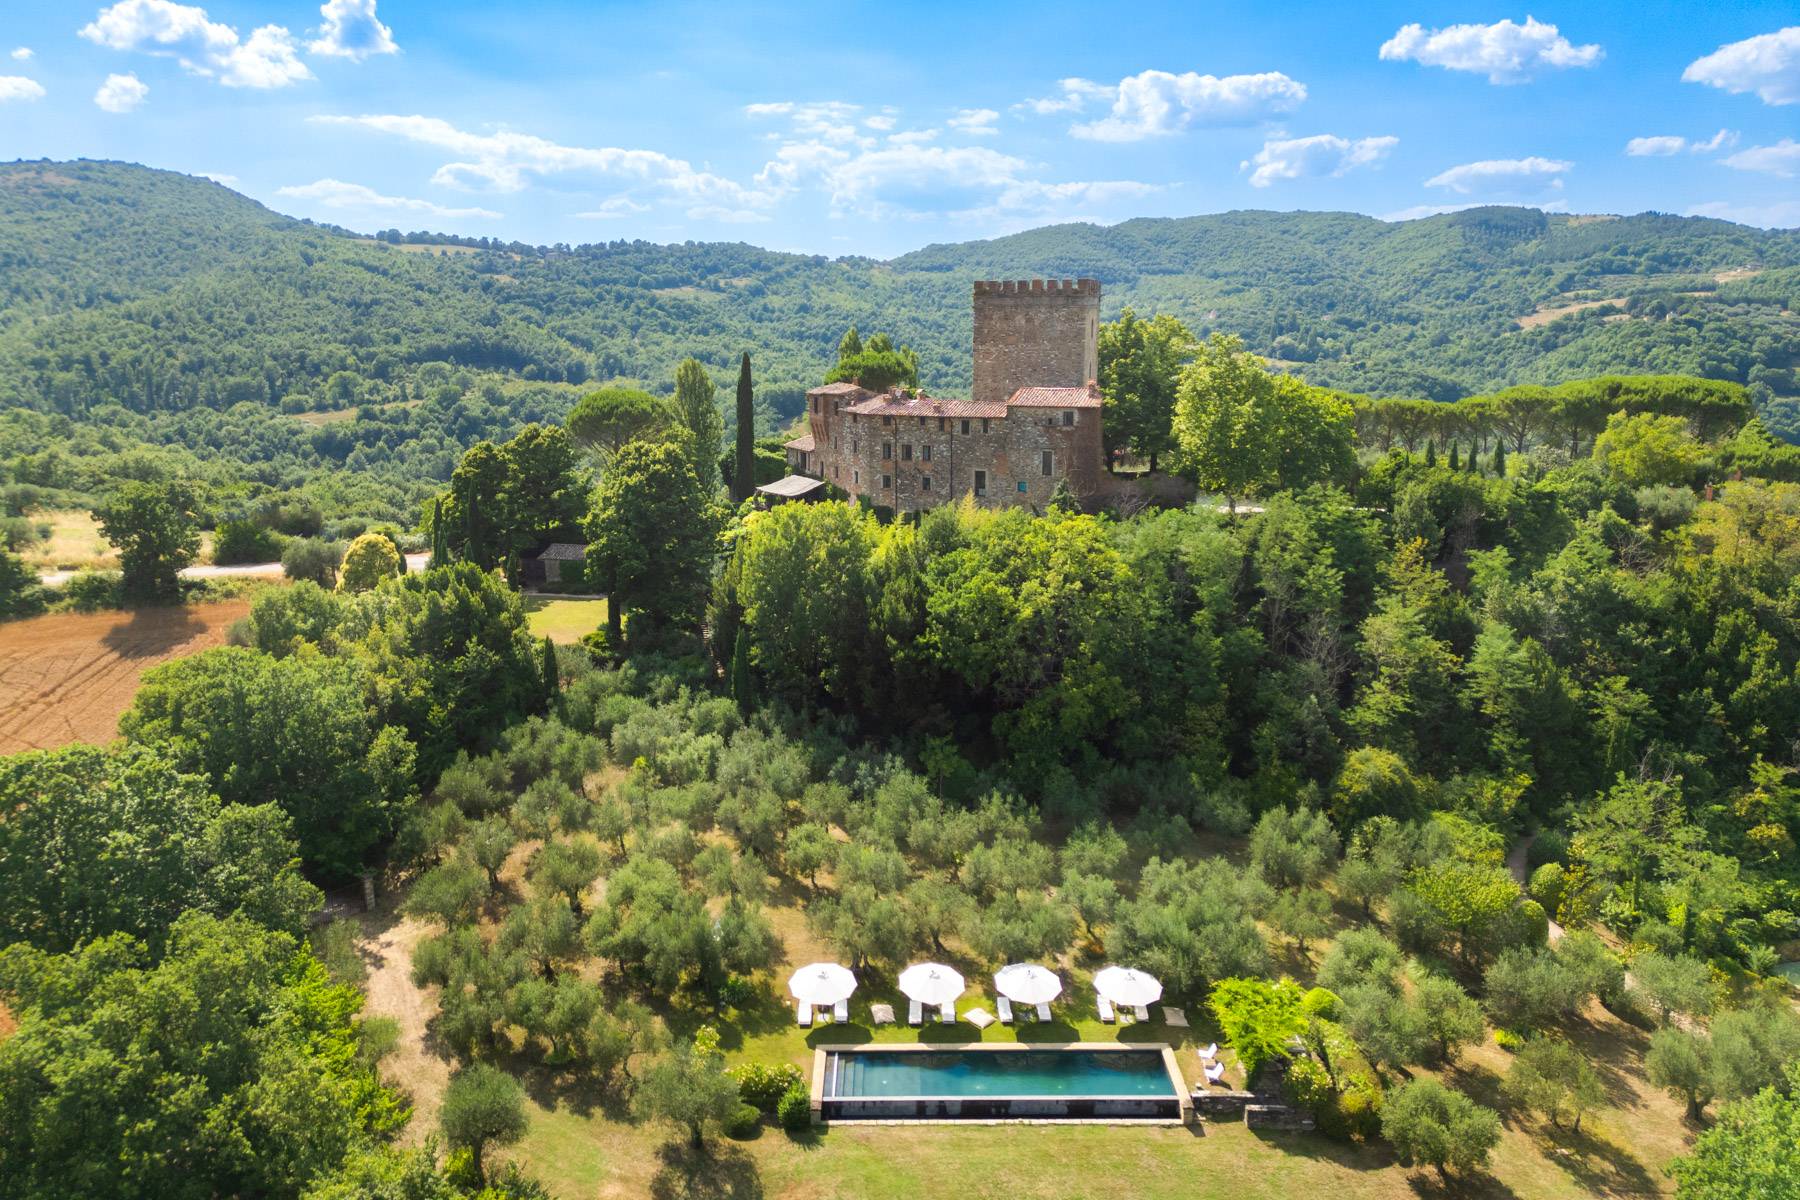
1033,422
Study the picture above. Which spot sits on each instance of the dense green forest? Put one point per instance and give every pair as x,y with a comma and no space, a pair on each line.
148,317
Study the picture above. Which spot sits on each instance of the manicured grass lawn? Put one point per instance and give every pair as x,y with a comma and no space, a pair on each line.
564,619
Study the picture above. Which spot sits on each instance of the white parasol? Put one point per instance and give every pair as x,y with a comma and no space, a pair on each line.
822,984
1127,987
1027,983
931,984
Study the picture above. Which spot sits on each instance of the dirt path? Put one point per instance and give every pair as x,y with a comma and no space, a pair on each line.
414,562
1518,862
387,948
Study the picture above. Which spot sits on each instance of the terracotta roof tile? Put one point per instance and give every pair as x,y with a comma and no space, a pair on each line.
842,388
803,442
1056,397
926,406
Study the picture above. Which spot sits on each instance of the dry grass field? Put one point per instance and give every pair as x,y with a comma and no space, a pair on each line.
66,677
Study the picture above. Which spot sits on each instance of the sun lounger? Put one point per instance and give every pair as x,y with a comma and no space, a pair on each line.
1043,1012
841,1013
1105,1007
947,1014
1005,1007
1142,1012
1174,1018
803,1015
1208,1052
1215,1072
915,1014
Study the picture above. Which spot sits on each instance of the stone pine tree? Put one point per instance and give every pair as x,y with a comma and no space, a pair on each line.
746,434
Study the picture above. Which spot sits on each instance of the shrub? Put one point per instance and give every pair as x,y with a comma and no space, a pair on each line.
1547,886
1549,847
765,1086
90,591
1508,1041
743,1122
312,560
244,542
1322,1003
795,1108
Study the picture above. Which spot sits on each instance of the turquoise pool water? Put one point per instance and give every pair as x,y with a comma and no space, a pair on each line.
953,1074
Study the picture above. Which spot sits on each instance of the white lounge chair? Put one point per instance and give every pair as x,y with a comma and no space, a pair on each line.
1105,1007
841,1012
1043,1012
915,1014
1208,1052
803,1015
1215,1072
1142,1012
1005,1009
947,1014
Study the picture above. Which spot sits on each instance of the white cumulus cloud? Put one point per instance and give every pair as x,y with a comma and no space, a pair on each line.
268,58
1503,172
612,208
1782,159
1782,214
507,160
1321,154
121,93
1506,52
1075,96
17,87
974,120
828,120
1767,64
335,193
21,54
351,30
1662,146
1154,103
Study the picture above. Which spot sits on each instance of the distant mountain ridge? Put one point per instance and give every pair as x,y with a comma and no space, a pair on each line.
158,290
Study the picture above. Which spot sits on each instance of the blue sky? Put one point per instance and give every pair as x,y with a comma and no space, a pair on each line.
848,129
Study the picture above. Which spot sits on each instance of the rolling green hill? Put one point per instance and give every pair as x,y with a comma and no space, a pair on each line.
164,291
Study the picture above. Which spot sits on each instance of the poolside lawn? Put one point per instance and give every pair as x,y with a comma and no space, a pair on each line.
565,620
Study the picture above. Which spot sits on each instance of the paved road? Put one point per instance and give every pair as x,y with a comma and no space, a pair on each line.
414,562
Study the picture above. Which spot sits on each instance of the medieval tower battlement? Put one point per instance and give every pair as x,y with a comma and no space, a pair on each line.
1035,333
1033,424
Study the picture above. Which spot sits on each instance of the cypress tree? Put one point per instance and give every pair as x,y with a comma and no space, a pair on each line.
440,549
746,433
1431,454
552,675
1455,464
1500,457
743,683
1469,463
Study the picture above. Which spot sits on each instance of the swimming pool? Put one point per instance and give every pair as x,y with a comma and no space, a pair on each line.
1080,1081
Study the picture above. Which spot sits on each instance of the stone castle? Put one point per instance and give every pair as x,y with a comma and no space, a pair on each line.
1033,421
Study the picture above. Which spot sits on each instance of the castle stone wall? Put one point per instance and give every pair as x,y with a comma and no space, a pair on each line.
1035,333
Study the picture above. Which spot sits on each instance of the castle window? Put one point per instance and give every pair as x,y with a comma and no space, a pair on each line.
887,451
942,424
1047,462
887,482
925,452
981,483
921,422
984,424
853,444
1068,416
1022,486
815,401
965,428
906,451
924,483
856,478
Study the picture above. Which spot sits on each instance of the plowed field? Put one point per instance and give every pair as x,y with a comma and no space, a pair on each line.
66,677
